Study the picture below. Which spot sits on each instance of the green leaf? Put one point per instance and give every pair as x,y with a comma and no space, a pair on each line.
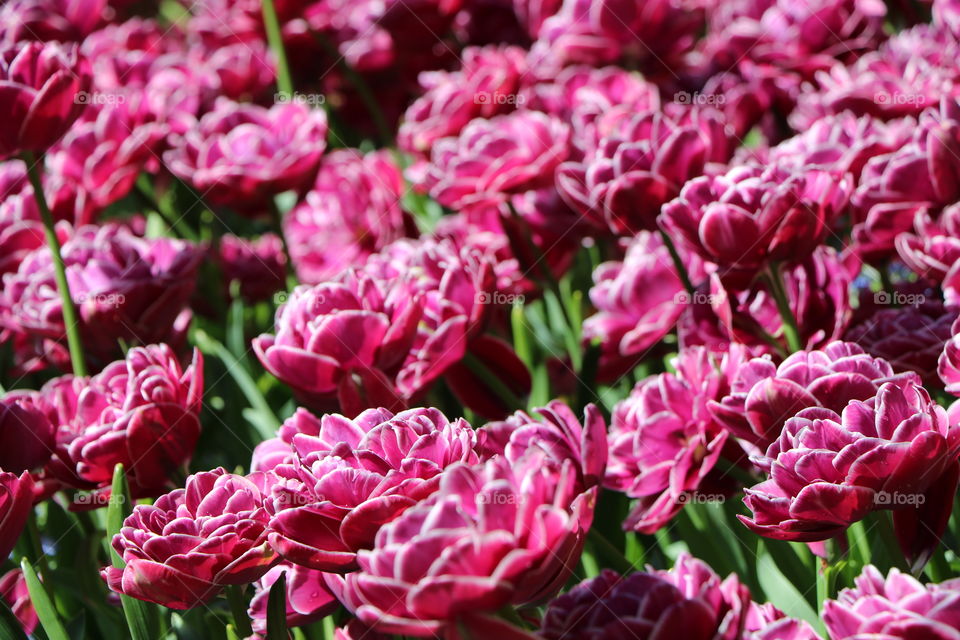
141,617
780,591
277,609
46,612
210,345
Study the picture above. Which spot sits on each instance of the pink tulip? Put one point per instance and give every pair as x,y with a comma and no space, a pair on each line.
190,544
26,432
750,217
665,444
240,154
46,20
353,210
354,476
488,83
558,432
16,504
933,250
641,162
764,396
258,266
909,338
39,86
894,606
13,590
501,533
125,288
494,158
896,451
689,601
143,411
381,335
910,72
638,299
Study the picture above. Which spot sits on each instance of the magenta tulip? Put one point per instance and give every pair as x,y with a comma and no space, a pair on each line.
665,444
182,550
763,396
143,412
896,451
354,476
26,432
16,504
894,606
39,86
501,533
307,597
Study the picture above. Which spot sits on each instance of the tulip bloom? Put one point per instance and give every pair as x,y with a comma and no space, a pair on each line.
894,606
750,217
494,158
182,550
763,396
26,432
896,451
124,286
16,503
39,84
354,476
143,411
240,154
665,443
496,534
353,210
641,162
689,601
307,598
13,590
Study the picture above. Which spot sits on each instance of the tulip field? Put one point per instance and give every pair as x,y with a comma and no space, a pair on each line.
479,319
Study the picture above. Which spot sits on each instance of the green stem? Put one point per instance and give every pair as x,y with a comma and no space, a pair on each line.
790,329
238,607
275,39
677,262
612,553
60,272
496,385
